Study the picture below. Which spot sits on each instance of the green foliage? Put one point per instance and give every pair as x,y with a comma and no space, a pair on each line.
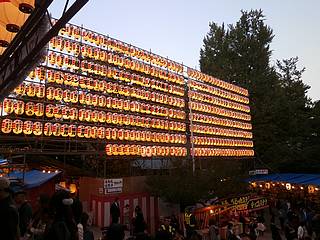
240,54
181,185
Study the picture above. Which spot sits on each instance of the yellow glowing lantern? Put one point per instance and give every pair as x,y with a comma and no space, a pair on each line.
73,188
37,128
27,127
19,107
8,105
6,125
72,130
56,129
38,109
81,131
29,109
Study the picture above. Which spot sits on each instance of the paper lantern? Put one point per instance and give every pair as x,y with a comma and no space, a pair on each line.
56,129
40,91
114,134
6,125
95,116
126,135
108,133
115,149
57,112
102,101
109,149
64,130
143,151
20,90
87,132
101,133
17,126
8,105
49,110
108,117
101,116
94,132
120,134
50,93
12,18
120,149
37,128
73,113
72,130
38,109
27,127
81,131
87,115
29,108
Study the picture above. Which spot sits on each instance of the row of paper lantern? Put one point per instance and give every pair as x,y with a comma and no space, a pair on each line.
212,152
212,80
220,131
145,151
37,89
118,46
13,15
218,111
84,131
71,113
218,92
95,100
220,121
70,79
222,142
64,61
218,101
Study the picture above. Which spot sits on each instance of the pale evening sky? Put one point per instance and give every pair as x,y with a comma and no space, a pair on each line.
175,28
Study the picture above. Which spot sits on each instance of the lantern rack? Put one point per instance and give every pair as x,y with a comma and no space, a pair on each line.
85,30
112,80
27,47
214,91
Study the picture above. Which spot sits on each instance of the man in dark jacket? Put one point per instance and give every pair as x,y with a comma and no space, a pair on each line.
9,217
24,209
115,211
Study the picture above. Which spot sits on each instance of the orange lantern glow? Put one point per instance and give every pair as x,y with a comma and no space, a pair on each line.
8,105
56,129
17,126
27,127
37,128
6,126
72,130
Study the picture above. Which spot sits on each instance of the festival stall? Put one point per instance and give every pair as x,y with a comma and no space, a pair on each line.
239,211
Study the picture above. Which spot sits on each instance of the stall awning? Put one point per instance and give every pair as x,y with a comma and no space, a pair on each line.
33,178
293,178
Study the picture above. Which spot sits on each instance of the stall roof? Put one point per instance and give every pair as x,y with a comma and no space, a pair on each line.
33,178
294,178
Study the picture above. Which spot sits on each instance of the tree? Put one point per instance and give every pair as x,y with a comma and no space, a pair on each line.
184,187
240,54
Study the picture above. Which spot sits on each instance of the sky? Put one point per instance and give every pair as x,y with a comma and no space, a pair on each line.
176,28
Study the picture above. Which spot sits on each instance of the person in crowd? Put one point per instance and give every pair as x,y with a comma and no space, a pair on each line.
40,218
87,233
165,231
115,211
253,232
9,217
302,231
126,216
190,223
275,230
315,225
213,230
77,207
115,231
24,209
230,233
139,224
63,226
175,222
290,228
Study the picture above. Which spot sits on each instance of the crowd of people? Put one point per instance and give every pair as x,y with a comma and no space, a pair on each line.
294,220
57,217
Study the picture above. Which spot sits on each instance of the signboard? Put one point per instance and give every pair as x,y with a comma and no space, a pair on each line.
257,204
113,185
259,172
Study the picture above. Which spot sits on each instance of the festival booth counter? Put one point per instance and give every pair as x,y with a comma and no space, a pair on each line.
239,211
